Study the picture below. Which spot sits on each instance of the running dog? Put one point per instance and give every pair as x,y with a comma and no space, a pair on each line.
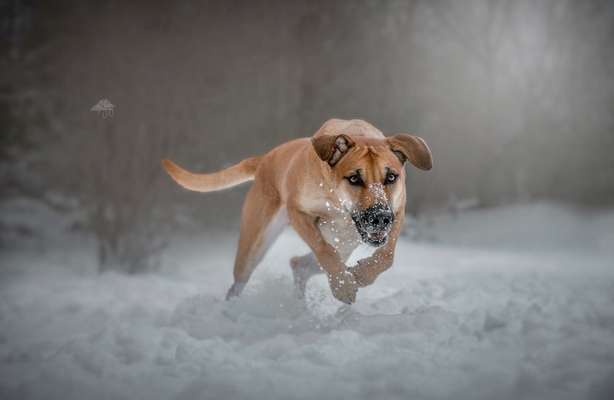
343,186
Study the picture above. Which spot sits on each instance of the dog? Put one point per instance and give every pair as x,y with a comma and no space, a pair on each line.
342,187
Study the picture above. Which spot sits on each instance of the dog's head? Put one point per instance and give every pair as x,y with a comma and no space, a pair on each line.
369,176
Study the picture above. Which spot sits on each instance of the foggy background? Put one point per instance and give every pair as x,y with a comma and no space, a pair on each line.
515,99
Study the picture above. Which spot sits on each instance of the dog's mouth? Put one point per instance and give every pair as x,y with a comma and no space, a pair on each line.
375,239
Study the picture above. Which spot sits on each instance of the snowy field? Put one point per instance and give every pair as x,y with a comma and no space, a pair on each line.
511,303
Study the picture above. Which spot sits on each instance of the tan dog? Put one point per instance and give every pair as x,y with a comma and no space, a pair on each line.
344,186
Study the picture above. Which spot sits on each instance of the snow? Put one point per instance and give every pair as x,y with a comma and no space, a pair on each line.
515,302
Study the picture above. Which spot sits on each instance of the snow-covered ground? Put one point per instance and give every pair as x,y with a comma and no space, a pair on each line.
510,303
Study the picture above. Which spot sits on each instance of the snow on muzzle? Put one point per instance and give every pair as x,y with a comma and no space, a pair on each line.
374,223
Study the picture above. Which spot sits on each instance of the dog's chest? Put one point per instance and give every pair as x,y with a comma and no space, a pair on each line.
339,231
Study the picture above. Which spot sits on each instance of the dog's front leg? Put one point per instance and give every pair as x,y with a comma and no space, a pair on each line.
341,281
369,268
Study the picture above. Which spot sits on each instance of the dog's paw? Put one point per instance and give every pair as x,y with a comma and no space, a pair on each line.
343,286
235,290
362,276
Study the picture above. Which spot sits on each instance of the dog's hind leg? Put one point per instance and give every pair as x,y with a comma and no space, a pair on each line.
262,221
303,268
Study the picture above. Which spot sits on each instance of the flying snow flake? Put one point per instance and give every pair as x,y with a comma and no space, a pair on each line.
104,107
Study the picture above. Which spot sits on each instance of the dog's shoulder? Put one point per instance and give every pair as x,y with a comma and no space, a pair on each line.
352,127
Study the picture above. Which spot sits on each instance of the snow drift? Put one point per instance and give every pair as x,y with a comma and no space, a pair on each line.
512,303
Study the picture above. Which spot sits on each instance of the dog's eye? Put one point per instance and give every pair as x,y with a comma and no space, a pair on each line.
391,177
354,180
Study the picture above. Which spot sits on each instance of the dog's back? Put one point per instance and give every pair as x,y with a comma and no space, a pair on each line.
352,127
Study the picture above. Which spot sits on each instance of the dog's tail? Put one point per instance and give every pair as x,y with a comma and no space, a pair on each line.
226,178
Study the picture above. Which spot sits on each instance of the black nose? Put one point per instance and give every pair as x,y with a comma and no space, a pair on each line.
377,217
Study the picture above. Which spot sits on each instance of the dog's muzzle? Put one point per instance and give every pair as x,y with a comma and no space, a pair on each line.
374,224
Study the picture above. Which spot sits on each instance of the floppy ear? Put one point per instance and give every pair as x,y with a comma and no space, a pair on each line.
413,149
331,148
